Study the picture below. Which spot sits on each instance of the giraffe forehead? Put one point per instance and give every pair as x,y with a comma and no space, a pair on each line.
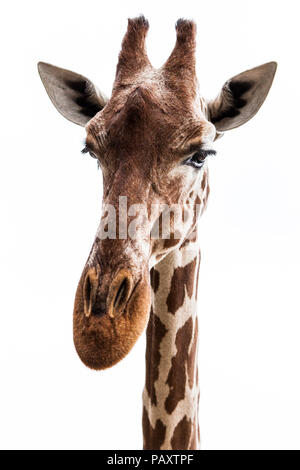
149,77
150,111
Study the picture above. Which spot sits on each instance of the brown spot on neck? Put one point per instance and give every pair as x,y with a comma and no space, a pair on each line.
183,278
177,375
155,333
154,278
182,434
153,437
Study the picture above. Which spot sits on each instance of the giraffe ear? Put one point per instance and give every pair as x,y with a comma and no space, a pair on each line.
73,95
241,97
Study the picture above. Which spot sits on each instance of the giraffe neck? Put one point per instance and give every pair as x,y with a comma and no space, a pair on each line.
171,393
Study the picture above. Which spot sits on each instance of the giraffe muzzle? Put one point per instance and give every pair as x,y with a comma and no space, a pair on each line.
109,316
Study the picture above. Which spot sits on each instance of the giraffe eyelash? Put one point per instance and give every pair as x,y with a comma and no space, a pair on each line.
205,152
86,150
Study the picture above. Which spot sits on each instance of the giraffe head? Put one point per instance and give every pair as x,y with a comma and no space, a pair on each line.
151,139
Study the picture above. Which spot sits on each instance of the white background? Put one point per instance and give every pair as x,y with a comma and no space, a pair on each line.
50,209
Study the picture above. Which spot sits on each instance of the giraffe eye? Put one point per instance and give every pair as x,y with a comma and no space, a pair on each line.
198,158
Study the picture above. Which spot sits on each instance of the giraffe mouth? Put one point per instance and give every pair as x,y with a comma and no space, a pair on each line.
105,333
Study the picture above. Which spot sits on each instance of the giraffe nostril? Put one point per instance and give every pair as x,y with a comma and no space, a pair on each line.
119,293
89,291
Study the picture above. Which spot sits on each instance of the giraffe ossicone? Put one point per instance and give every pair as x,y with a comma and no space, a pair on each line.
152,139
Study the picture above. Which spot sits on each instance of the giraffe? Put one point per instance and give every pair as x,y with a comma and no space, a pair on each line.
152,140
